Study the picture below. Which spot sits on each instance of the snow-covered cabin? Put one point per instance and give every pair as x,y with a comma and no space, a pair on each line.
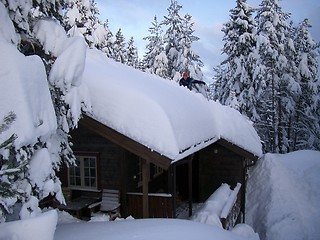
151,138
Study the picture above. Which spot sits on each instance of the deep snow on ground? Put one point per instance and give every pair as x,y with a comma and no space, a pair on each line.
144,229
283,203
283,196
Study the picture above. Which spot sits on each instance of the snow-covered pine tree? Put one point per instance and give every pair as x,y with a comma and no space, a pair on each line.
9,169
24,14
106,44
216,87
188,60
82,18
172,38
31,20
132,54
272,40
234,78
23,17
155,60
119,48
178,40
290,90
233,101
306,130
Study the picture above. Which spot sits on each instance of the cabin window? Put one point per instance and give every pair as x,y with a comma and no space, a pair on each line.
84,174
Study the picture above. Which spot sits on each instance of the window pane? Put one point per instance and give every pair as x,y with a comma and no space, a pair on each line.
86,162
86,172
93,172
78,181
92,162
77,173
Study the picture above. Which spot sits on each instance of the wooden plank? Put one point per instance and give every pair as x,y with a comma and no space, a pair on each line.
174,188
237,149
160,205
231,211
190,158
125,142
145,188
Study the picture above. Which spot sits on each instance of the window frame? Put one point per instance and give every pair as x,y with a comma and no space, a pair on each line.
82,186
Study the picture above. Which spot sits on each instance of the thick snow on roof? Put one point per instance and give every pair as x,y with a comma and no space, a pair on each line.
160,114
25,92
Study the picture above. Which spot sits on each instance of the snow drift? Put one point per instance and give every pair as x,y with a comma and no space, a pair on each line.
283,197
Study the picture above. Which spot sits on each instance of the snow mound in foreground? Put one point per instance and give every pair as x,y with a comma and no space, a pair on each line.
143,229
283,197
41,227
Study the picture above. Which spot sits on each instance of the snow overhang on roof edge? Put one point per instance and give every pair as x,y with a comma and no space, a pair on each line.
186,152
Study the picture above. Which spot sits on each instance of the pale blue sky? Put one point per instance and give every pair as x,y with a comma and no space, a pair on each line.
134,17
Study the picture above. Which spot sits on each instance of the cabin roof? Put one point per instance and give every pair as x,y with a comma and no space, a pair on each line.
158,113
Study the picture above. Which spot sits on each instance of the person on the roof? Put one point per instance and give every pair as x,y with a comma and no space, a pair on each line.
187,81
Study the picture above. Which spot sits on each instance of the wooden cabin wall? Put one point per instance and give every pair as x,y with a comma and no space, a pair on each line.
158,184
110,156
217,165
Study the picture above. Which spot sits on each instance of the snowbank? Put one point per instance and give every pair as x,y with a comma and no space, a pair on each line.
283,197
144,229
41,227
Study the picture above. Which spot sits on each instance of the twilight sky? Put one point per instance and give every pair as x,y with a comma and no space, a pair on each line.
134,17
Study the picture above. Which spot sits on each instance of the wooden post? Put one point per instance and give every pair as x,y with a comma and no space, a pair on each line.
173,188
123,183
190,158
145,188
243,192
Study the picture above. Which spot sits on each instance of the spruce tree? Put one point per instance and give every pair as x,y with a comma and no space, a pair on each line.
188,60
132,54
8,169
28,17
16,179
119,48
106,44
178,40
155,60
272,42
24,13
82,18
235,75
306,130
172,38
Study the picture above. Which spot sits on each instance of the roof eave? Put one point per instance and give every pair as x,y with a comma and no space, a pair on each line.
237,149
126,142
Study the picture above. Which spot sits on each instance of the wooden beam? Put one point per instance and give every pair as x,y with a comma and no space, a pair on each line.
123,182
237,149
145,188
190,158
172,187
125,142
